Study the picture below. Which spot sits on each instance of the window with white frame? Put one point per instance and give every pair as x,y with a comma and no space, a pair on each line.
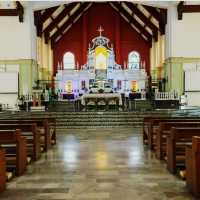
69,60
134,60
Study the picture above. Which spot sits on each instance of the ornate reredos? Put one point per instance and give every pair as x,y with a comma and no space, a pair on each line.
100,41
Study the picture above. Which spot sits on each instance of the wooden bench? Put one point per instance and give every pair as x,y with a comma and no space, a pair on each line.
52,126
164,130
146,126
42,125
193,166
32,135
177,140
15,149
153,127
145,131
51,122
2,170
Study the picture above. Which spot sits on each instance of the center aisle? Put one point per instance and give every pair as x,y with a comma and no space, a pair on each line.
109,164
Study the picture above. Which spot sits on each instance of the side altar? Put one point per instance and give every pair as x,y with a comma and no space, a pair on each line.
101,73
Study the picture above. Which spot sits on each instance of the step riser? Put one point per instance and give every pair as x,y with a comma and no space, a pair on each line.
81,120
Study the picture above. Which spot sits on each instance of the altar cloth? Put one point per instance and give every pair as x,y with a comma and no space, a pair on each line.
104,96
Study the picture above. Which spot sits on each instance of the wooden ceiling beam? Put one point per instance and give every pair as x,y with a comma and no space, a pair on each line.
69,22
163,20
37,22
143,18
191,8
47,13
58,19
153,11
8,12
131,20
40,18
160,16
181,8
20,10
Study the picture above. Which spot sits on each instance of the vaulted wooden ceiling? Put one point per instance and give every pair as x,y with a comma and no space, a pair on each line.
54,22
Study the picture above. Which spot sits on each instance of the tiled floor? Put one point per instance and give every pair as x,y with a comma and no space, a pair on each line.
97,164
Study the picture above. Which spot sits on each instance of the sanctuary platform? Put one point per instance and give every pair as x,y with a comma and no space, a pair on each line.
100,119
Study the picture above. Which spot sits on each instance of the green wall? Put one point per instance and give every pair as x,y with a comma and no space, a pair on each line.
174,72
28,73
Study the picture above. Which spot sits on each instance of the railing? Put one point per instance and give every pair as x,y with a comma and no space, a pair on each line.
166,96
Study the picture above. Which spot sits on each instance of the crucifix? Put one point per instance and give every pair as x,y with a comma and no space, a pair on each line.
100,30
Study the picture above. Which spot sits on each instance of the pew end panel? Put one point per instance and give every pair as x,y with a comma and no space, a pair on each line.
193,166
2,170
32,135
42,125
36,142
21,154
177,141
188,164
15,149
164,130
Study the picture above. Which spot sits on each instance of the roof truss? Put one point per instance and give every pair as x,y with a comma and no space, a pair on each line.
147,21
160,15
72,19
54,25
41,17
55,21
132,21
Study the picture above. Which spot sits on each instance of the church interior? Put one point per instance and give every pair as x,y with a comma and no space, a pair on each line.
99,100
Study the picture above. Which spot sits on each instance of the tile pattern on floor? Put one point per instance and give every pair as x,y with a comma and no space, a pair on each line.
97,164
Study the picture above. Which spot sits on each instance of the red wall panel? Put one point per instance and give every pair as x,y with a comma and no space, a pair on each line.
124,38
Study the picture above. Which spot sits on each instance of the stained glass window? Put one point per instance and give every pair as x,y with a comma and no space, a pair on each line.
69,60
134,60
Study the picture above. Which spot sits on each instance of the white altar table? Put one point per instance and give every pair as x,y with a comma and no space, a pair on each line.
105,96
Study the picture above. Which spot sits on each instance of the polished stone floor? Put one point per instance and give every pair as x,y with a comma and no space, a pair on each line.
103,164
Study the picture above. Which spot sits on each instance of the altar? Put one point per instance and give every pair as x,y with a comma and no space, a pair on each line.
101,73
104,96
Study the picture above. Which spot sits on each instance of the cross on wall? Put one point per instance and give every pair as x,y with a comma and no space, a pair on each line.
100,30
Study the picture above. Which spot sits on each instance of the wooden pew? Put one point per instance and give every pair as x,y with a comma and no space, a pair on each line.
145,131
32,135
52,126
51,122
15,149
153,127
146,126
177,140
193,166
42,125
36,116
2,170
164,130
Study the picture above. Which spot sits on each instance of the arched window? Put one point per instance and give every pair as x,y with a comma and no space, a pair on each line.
134,60
68,60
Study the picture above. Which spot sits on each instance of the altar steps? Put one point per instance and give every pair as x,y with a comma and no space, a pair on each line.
84,120
99,119
140,104
62,106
